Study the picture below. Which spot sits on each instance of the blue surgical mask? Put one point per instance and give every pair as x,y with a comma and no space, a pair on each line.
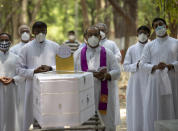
160,30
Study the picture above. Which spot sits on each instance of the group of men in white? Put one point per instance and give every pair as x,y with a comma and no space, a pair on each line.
152,92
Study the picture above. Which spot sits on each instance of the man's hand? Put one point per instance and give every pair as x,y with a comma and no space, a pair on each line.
99,75
170,67
107,76
47,68
138,64
6,80
102,76
162,66
155,67
43,68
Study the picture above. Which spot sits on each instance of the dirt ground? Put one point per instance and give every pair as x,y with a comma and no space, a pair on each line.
122,98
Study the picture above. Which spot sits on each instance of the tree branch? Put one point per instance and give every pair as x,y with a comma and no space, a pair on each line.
9,16
121,12
35,11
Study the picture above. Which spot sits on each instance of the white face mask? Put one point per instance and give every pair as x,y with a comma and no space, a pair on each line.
103,35
93,41
40,37
142,38
4,45
160,30
71,37
25,36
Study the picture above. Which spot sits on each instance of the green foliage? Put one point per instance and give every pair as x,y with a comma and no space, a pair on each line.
60,18
169,9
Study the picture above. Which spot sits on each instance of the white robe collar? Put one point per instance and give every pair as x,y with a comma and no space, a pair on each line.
89,49
161,40
102,41
4,54
39,44
142,45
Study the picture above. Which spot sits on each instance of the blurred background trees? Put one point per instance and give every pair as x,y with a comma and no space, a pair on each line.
121,16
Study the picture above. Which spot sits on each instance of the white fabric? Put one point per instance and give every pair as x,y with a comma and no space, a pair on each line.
136,89
166,87
158,106
33,55
8,94
112,46
112,118
21,87
16,48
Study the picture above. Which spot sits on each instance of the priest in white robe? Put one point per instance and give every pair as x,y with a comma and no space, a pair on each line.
136,89
24,32
9,82
105,68
39,55
108,44
160,60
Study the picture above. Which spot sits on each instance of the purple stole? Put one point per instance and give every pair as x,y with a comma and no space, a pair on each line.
104,84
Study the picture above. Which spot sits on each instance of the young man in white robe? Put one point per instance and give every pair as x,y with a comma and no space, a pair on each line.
8,86
108,44
160,60
106,71
24,32
39,55
136,89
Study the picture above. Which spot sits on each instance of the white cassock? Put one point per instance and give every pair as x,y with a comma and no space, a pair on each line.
136,89
8,93
16,48
161,84
112,46
33,55
21,90
112,118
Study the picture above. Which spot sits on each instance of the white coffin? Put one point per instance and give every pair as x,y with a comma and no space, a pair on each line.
61,99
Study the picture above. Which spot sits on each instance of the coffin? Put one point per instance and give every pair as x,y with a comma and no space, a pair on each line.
63,98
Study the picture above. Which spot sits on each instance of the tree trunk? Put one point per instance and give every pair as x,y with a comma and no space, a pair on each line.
8,18
35,11
107,19
173,26
76,17
98,7
85,14
24,16
15,33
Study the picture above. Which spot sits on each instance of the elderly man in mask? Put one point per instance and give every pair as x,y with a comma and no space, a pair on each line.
108,44
39,55
106,71
8,86
136,89
24,32
160,60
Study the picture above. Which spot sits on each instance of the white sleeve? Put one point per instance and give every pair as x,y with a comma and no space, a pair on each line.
13,50
21,66
145,62
128,65
114,67
175,63
18,80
